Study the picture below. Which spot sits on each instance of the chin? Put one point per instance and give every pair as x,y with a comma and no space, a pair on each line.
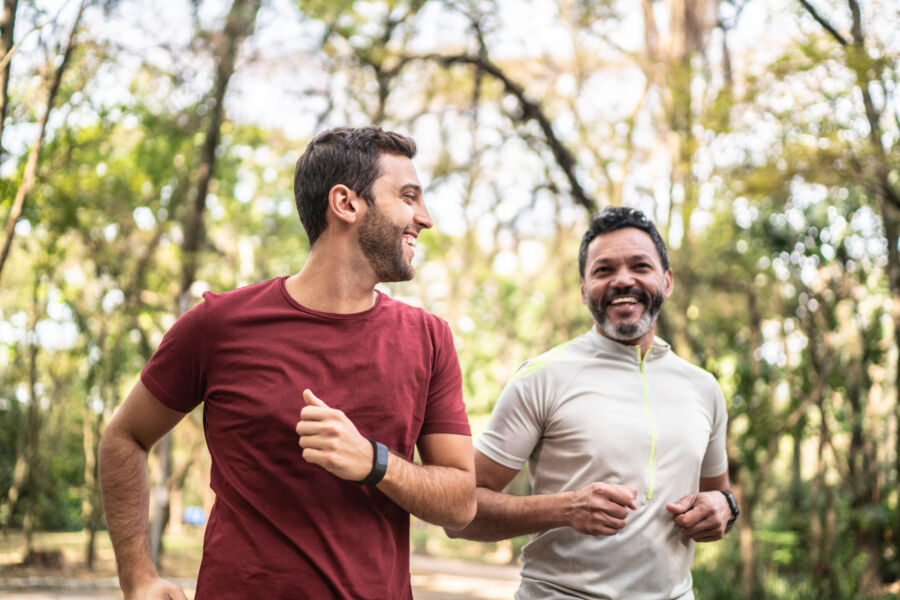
399,276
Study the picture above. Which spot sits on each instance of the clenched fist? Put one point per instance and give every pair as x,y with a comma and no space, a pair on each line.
329,439
601,508
702,517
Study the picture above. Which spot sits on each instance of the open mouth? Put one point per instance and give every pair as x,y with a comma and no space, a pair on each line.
627,298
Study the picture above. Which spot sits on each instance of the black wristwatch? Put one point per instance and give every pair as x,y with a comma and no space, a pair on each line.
732,504
379,464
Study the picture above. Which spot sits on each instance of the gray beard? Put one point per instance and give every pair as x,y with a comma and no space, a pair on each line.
626,332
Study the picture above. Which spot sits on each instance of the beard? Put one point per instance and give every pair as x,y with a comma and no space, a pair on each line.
626,332
382,243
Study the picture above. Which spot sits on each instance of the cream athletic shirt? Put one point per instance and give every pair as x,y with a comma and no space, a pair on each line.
590,411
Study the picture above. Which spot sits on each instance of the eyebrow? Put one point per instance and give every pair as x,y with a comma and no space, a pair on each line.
642,256
411,186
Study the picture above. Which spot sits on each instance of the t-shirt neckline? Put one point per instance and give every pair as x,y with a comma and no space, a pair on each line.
282,284
601,342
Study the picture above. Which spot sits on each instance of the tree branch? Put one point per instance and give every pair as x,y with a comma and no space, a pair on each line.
531,111
29,176
824,23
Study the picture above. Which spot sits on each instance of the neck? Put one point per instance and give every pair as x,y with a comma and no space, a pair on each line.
334,281
645,341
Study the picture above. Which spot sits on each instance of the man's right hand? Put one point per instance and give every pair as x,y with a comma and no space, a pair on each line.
156,589
601,508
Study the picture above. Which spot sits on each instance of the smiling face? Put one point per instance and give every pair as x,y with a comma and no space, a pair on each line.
624,285
390,227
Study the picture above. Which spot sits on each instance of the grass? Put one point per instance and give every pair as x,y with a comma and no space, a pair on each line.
180,559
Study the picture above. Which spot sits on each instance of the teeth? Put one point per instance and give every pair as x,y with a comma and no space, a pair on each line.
623,300
410,241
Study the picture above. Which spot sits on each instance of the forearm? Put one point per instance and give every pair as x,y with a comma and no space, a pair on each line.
442,495
124,487
502,516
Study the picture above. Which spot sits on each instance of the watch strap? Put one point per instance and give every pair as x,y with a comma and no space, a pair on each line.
379,464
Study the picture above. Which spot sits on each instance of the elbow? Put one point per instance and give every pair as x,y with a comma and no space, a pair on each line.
465,531
109,452
465,509
461,517
469,513
455,527
458,530
462,514
116,445
109,442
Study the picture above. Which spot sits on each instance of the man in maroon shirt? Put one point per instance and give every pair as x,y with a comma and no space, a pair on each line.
316,388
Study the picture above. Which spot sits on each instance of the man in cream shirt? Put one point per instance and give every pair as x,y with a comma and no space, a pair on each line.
625,441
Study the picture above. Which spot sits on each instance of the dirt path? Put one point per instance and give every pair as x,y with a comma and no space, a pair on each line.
432,579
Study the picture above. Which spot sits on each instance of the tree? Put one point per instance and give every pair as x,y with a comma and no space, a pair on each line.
238,26
876,165
31,165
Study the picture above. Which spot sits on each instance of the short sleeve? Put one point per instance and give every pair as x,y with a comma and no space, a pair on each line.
715,461
176,374
516,426
445,411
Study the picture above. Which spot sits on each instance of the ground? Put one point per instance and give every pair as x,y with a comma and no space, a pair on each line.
63,575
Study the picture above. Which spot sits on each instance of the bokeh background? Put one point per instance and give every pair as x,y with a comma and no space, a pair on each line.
147,156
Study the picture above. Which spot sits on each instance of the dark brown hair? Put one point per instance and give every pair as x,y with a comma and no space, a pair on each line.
343,155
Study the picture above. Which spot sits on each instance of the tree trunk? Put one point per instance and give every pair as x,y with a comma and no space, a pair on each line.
892,231
7,29
239,25
745,538
797,495
90,502
864,493
34,425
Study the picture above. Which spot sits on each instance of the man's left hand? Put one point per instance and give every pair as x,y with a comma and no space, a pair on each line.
329,439
703,516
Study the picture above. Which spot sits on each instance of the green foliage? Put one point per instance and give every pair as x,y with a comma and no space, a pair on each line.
765,186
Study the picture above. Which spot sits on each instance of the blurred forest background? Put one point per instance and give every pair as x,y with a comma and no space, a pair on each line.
147,156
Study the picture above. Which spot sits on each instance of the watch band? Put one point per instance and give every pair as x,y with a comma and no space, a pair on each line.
379,464
732,504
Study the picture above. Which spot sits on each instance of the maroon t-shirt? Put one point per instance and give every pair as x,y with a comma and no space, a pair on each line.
281,527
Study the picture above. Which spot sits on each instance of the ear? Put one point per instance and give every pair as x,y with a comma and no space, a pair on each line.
344,204
668,283
583,299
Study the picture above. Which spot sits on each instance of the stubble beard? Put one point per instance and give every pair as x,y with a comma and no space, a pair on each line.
627,332
382,244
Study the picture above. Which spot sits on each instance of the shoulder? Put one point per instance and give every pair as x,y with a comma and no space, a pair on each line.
702,379
538,386
223,303
556,363
243,294
413,316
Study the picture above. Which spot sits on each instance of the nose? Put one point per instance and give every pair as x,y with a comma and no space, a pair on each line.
421,217
622,278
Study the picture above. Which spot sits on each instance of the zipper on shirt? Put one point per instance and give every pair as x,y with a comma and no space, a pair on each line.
650,467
